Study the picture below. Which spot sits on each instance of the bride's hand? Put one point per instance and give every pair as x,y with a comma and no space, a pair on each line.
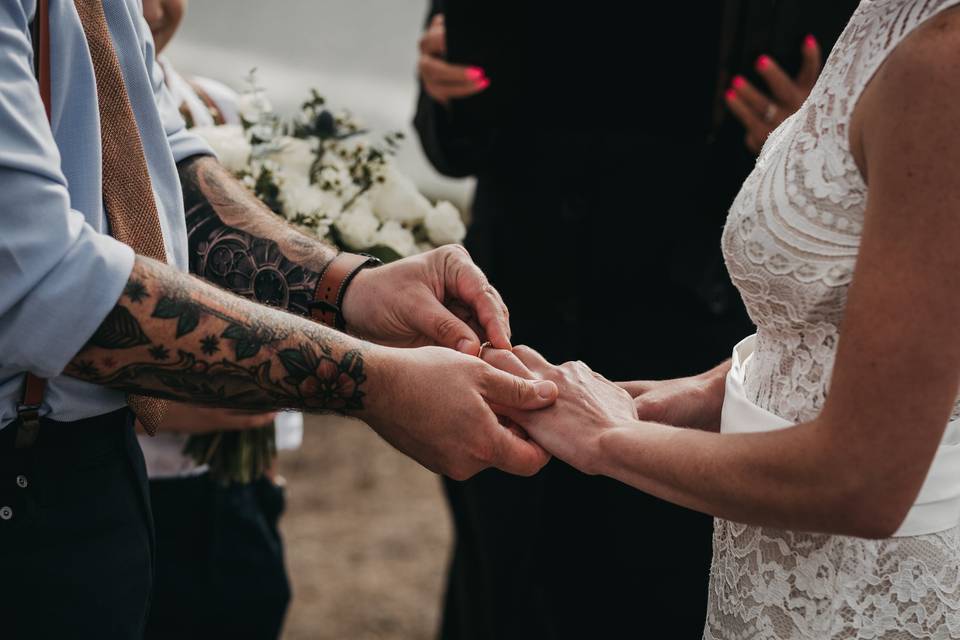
693,402
588,406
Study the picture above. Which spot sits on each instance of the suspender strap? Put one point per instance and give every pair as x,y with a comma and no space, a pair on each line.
28,409
40,31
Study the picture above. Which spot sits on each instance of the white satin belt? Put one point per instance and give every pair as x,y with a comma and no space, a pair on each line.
937,507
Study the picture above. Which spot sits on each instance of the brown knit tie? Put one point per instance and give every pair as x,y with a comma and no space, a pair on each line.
127,191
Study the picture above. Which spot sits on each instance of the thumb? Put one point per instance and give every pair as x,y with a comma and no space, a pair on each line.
512,392
443,328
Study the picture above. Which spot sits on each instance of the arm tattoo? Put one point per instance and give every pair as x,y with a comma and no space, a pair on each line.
173,336
240,245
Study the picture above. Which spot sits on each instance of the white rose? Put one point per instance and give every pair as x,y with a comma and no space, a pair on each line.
253,105
301,197
392,234
397,198
444,225
292,156
358,228
229,143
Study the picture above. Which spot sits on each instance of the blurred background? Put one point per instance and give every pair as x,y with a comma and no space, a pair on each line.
360,55
366,529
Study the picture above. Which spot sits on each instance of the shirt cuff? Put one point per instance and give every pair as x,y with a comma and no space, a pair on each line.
185,144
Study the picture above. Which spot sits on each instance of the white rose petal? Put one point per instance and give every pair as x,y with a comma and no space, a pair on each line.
301,197
292,156
253,105
229,143
358,228
397,198
445,225
392,234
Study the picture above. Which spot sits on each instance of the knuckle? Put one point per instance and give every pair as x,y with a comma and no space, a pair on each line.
522,350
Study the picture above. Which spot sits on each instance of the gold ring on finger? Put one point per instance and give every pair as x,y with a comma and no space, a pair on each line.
770,114
482,347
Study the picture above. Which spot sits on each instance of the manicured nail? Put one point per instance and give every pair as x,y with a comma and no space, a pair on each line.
730,94
739,82
466,346
763,62
810,42
483,84
475,73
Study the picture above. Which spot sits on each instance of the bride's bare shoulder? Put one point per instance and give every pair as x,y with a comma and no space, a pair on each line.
914,94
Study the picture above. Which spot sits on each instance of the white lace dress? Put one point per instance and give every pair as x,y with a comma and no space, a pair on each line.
791,245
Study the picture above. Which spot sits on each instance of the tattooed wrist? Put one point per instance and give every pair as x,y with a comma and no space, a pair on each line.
172,336
238,244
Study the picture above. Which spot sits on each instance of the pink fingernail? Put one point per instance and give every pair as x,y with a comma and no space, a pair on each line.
730,94
763,62
475,73
739,82
483,84
810,42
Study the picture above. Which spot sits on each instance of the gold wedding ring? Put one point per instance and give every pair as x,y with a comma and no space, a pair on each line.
771,113
482,347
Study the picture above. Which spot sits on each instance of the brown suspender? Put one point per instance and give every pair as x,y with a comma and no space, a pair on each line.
28,409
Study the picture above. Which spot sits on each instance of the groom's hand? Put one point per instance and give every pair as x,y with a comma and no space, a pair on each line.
435,406
436,298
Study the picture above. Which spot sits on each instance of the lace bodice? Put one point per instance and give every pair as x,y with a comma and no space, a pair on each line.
791,244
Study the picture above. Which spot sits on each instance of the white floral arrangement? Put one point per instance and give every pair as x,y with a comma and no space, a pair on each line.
322,173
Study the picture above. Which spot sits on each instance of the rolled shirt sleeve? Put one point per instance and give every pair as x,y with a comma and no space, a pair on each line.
61,277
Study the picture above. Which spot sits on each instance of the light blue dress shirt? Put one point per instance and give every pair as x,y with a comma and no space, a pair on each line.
60,271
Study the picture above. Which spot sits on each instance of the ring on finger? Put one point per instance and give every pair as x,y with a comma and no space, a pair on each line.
771,113
482,347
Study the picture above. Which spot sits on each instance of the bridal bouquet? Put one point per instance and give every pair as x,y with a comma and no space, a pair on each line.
322,172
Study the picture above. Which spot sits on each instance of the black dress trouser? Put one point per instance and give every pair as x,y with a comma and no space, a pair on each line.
76,534
220,566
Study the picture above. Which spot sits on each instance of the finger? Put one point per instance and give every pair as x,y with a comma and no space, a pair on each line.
507,361
440,326
636,387
784,89
254,421
465,315
466,282
513,392
531,358
745,114
518,455
434,41
456,75
752,97
812,63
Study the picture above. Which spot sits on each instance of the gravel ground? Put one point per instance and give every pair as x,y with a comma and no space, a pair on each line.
367,536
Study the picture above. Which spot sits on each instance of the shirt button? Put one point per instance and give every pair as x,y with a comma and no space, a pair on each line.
6,513
22,482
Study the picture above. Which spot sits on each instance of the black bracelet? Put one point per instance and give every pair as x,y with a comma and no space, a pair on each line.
340,323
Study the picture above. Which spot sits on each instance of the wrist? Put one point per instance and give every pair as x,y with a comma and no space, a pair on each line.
382,365
609,447
334,283
357,301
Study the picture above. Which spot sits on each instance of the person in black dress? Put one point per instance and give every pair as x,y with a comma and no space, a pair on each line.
575,121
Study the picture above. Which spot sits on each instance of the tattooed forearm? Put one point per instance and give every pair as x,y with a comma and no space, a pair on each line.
173,336
240,245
